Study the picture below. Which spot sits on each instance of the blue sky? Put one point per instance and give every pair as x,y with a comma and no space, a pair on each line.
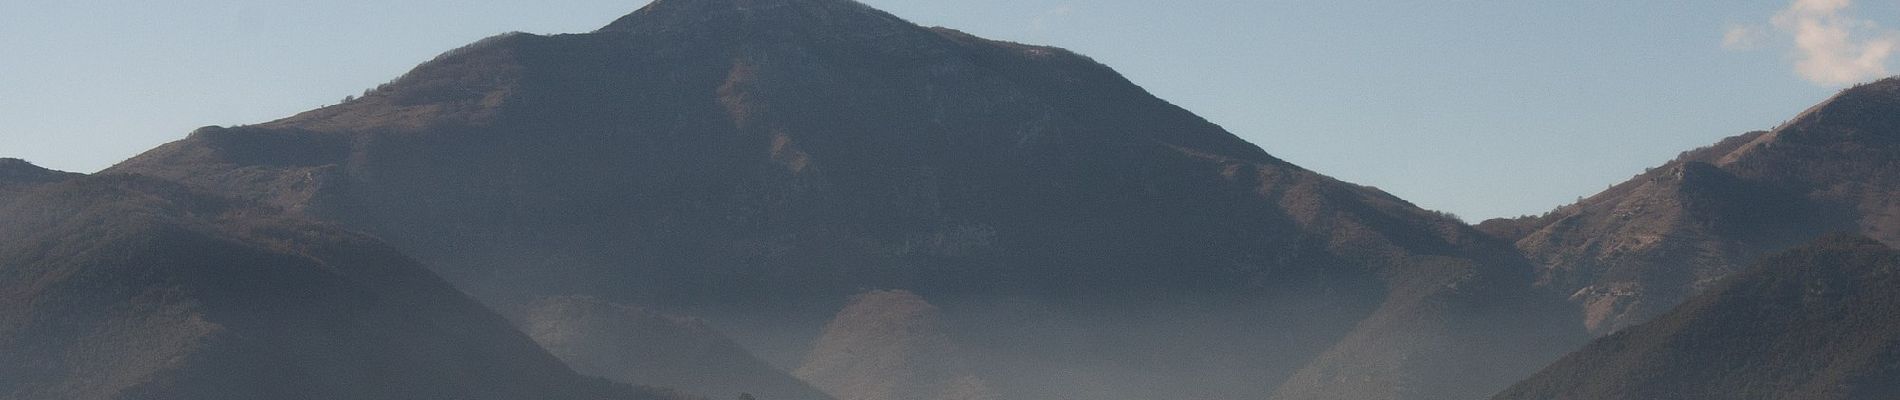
1481,108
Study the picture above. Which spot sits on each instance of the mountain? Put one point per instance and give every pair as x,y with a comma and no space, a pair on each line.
891,345
1818,322
757,163
632,344
1643,246
125,287
18,176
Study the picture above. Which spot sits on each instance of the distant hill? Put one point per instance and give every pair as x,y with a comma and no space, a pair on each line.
892,345
756,163
125,287
1821,322
632,344
1643,246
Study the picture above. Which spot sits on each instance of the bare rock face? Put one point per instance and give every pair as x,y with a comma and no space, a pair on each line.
632,344
1638,249
891,345
1821,322
126,287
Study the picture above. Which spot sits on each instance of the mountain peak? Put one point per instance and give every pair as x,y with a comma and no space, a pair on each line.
754,162
675,15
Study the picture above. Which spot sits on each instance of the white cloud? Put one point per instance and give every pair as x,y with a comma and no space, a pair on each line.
1832,47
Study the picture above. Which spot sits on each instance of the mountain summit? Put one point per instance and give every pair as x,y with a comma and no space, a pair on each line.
747,17
759,163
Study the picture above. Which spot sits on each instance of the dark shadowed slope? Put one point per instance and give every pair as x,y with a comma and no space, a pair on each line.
1643,246
1821,322
631,344
758,162
122,287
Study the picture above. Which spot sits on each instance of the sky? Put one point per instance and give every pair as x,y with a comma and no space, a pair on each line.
1479,108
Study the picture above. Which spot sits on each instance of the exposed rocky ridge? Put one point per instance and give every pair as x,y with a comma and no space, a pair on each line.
757,162
1641,247
125,287
631,344
1818,322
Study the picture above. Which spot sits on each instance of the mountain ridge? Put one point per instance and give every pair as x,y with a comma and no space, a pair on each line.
18,175
1639,248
